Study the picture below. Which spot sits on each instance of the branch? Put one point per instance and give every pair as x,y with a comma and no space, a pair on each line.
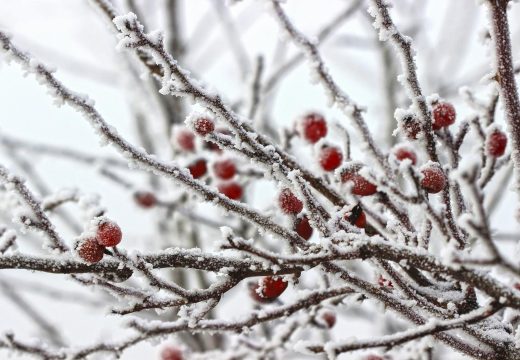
432,327
505,77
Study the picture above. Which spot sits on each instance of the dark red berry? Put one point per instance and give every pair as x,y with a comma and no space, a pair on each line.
303,228
330,158
410,127
231,189
271,287
356,217
289,203
171,353
198,168
253,287
224,169
433,179
496,143
516,286
185,139
90,250
360,185
313,127
403,152
145,199
327,318
204,126
443,115
109,234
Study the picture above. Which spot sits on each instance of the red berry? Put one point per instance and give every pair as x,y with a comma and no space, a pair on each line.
145,199
403,152
185,139
443,115
410,127
109,234
198,168
516,286
171,353
231,189
303,228
496,143
330,158
253,287
357,217
361,186
90,250
433,179
313,127
271,287
327,318
204,126
224,169
289,203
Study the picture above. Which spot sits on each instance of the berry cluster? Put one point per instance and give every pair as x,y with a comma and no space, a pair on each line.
92,249
223,169
433,179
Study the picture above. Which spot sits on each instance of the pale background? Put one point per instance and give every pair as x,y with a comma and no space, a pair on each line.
72,36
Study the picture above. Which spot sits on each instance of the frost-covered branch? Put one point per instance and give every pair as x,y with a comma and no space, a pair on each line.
390,341
505,76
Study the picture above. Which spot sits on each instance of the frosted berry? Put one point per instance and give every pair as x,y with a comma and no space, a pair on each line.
204,126
185,139
443,115
433,179
224,169
303,228
145,199
231,189
109,234
171,353
313,127
403,152
271,287
496,143
253,287
330,158
90,250
289,203
360,185
410,127
198,168
356,217
327,318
